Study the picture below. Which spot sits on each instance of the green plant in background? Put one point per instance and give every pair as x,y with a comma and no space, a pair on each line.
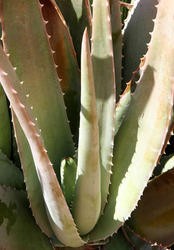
89,137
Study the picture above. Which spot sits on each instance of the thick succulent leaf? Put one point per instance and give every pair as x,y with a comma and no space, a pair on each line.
58,212
140,20
122,107
117,42
141,136
10,175
5,127
125,239
78,17
33,187
117,241
39,90
104,80
87,203
68,171
153,219
65,59
18,230
29,30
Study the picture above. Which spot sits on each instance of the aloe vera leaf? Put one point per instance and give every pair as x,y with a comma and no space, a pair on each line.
78,17
5,127
68,171
39,90
126,239
87,202
104,80
37,76
117,42
18,230
57,210
141,136
33,186
140,19
151,121
117,241
153,218
122,107
66,61
10,175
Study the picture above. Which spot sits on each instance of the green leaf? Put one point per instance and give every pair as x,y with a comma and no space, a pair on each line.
40,92
23,21
153,219
57,210
10,175
125,239
18,230
142,134
68,171
104,80
87,202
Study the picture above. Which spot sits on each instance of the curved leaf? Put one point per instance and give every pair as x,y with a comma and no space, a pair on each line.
142,134
39,90
57,210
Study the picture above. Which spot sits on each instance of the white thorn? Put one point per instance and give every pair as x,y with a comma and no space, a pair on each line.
14,91
32,124
22,105
4,73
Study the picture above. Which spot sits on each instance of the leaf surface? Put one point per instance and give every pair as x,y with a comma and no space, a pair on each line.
104,80
57,210
18,230
87,202
141,137
39,89
153,219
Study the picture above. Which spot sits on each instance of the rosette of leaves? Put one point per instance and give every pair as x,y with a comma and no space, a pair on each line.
88,135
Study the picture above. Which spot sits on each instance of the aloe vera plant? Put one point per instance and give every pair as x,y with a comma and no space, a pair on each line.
87,134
